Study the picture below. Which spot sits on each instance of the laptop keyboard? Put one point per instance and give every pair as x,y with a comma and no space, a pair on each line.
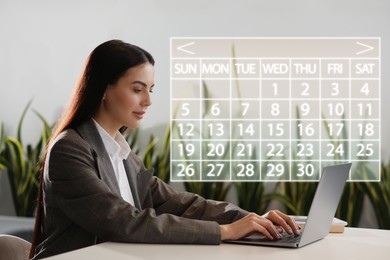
286,238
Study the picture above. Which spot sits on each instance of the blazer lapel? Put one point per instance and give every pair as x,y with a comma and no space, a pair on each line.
132,177
139,178
106,172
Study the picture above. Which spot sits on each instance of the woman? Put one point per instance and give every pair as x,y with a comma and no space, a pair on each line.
94,189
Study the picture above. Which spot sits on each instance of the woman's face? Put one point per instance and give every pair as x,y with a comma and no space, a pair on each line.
127,100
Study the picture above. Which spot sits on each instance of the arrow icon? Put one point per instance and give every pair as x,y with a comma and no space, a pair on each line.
369,48
181,48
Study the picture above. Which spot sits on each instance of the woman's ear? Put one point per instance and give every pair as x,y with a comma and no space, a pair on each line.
109,86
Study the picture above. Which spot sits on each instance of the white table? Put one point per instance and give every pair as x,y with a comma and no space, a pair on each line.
354,244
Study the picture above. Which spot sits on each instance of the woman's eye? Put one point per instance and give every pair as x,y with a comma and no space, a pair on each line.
151,90
137,90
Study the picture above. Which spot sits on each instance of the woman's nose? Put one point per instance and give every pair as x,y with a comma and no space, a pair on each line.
147,101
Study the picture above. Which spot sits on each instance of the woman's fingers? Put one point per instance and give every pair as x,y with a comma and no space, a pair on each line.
286,222
249,224
264,226
279,228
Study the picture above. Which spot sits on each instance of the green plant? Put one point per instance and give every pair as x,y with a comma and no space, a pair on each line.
209,190
132,139
160,161
252,196
23,165
351,203
379,194
2,146
297,196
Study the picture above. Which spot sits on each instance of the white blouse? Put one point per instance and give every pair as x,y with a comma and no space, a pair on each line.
118,150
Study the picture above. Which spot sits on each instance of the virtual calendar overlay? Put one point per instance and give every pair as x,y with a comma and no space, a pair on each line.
274,109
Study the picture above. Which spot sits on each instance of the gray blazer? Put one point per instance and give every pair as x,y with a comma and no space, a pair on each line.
83,205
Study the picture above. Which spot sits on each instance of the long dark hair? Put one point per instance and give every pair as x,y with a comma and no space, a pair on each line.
104,66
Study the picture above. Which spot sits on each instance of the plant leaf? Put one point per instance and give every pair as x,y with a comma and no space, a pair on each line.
19,132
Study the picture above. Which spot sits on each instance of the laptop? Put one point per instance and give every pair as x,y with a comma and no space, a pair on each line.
321,213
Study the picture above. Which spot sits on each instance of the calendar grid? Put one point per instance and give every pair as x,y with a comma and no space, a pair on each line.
230,121
290,118
349,104
320,116
201,94
297,113
260,120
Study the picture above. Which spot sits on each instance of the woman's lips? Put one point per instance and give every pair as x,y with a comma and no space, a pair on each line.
139,115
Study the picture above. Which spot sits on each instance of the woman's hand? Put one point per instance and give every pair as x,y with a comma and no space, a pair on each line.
265,224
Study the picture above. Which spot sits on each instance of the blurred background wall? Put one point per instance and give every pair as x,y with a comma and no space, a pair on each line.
43,44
